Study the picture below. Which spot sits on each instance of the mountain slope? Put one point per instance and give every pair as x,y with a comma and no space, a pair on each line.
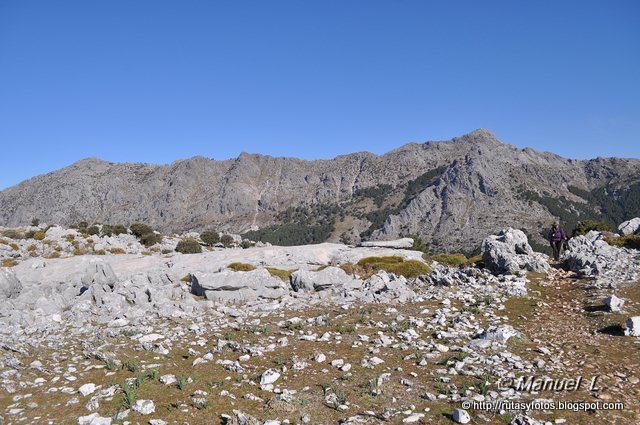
451,193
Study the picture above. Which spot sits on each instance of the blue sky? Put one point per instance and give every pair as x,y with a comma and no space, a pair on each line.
154,81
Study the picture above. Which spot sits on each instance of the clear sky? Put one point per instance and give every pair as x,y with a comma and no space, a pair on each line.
154,81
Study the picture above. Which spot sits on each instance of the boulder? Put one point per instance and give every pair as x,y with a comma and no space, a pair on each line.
237,287
403,243
98,272
306,280
591,256
509,252
613,303
633,326
630,227
10,286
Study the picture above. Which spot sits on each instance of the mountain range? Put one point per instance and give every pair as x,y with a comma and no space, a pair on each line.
451,193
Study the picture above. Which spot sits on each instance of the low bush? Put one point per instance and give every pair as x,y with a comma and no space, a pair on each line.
210,237
93,230
39,235
454,260
189,246
626,241
117,251
227,240
149,239
139,229
241,267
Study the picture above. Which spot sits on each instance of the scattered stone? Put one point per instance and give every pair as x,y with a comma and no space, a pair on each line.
144,407
269,377
613,303
461,416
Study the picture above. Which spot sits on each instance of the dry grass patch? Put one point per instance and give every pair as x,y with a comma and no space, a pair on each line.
241,267
394,264
9,262
285,275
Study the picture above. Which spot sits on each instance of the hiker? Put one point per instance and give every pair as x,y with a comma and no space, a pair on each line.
557,238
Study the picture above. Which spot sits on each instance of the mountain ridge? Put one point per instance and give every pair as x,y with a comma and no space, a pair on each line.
448,192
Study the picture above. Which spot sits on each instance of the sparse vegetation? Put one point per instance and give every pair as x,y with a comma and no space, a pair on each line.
189,246
39,235
129,395
130,365
181,382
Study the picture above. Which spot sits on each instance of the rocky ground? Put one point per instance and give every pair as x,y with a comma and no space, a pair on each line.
187,339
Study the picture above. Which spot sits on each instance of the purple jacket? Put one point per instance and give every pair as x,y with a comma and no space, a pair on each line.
557,235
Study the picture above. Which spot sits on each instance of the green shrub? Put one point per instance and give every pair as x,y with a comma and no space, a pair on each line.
418,244
118,229
149,239
626,241
93,230
241,267
227,240
285,275
454,260
107,230
210,237
139,229
189,246
39,235
291,234
583,227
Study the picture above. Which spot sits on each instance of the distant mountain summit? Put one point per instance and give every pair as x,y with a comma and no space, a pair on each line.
451,193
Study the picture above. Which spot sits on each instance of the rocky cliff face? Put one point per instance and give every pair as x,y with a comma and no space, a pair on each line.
451,193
